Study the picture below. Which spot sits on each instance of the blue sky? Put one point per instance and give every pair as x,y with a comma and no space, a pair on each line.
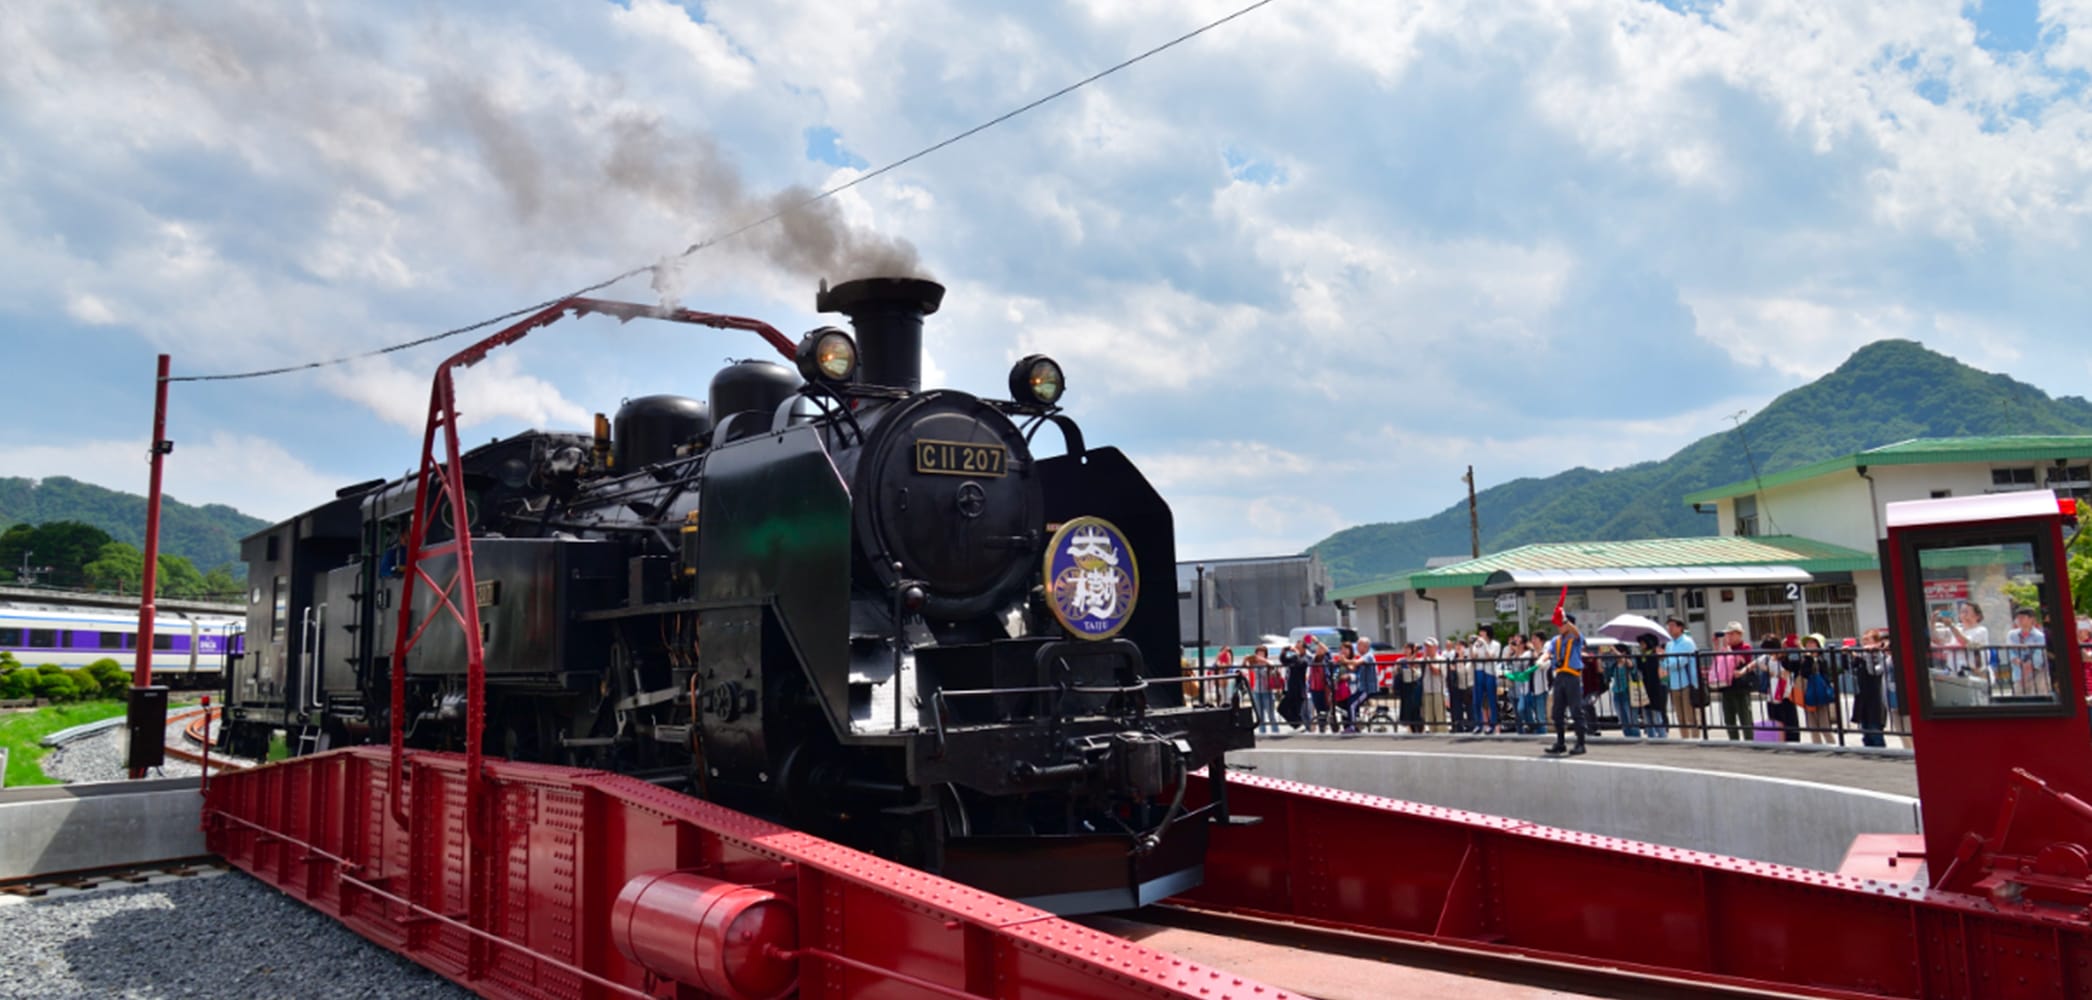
1305,268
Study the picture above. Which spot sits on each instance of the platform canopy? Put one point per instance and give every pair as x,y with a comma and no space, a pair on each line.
1645,576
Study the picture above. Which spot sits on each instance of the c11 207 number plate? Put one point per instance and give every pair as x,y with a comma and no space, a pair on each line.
954,458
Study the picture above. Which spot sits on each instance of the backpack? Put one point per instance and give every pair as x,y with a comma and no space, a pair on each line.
1819,691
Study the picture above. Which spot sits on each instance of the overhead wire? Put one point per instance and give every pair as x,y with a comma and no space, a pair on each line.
716,239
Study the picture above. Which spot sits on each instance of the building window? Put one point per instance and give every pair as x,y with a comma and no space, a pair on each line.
1746,517
1645,601
2071,481
2007,480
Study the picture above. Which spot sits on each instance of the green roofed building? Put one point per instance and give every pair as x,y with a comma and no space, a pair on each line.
1796,550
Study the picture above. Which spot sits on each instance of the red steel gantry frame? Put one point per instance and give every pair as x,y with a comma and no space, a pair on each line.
449,478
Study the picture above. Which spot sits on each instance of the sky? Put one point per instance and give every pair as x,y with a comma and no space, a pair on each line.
1304,269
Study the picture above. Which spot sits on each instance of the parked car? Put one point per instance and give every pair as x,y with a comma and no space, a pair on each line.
1330,635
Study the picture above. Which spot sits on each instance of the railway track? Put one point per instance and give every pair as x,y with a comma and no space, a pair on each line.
197,733
83,880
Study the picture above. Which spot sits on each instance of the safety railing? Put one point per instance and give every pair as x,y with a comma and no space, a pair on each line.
1844,696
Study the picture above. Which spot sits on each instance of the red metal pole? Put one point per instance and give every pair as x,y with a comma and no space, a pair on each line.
142,674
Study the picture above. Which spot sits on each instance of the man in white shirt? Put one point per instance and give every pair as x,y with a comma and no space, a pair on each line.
1487,655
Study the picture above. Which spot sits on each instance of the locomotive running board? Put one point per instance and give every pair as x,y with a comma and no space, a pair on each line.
1513,890
549,902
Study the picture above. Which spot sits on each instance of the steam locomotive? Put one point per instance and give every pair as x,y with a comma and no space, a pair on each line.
829,597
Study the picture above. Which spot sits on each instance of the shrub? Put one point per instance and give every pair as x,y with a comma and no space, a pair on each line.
18,683
108,673
57,687
48,669
85,682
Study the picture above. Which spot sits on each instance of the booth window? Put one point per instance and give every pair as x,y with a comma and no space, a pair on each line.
1986,644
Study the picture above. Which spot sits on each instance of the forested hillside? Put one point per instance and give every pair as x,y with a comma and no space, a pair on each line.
207,536
1888,391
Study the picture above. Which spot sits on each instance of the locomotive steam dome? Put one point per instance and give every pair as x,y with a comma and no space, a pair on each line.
648,429
754,387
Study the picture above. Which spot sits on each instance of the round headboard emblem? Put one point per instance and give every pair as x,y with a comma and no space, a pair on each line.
1092,578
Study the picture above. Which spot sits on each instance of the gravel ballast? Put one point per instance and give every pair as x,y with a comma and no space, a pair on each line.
99,757
215,936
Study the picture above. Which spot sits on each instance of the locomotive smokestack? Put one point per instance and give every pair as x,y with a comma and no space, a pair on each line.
888,316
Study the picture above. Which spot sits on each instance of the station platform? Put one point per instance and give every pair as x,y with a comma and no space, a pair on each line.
1796,804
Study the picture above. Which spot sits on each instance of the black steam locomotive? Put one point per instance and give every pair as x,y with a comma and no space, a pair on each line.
828,597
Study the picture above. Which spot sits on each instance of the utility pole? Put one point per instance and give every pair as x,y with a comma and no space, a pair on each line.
1200,687
27,577
147,701
1474,518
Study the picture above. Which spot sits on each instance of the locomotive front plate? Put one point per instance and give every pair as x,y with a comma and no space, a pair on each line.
958,458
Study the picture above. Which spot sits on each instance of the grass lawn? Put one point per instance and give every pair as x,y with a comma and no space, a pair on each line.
20,731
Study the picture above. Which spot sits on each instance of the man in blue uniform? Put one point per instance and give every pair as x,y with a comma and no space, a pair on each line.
1564,663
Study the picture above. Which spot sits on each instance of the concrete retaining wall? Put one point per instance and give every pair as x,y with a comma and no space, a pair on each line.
1780,820
58,828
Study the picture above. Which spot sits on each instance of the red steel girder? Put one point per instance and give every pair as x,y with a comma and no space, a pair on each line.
1497,886
560,844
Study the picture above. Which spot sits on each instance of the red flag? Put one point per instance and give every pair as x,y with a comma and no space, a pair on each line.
1561,616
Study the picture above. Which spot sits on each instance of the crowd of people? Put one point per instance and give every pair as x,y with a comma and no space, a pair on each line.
1777,688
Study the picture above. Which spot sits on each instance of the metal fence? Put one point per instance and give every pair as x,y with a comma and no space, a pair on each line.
1760,695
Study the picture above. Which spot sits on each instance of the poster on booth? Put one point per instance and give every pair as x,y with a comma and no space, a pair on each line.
1092,578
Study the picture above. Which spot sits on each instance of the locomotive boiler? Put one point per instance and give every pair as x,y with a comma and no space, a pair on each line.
824,595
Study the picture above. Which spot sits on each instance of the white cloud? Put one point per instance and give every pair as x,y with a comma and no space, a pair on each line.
493,390
1485,205
89,309
254,474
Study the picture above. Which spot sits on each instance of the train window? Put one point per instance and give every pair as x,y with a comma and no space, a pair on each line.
10,638
43,638
111,640
163,642
282,616
1984,637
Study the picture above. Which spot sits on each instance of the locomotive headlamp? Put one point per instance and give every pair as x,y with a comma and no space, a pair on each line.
827,355
1037,379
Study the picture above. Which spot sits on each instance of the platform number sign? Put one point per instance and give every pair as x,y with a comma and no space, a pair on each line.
1794,592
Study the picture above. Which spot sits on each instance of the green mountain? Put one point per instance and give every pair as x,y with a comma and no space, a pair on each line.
209,536
1888,391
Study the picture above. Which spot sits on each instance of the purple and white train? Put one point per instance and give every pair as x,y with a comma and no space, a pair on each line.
188,649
